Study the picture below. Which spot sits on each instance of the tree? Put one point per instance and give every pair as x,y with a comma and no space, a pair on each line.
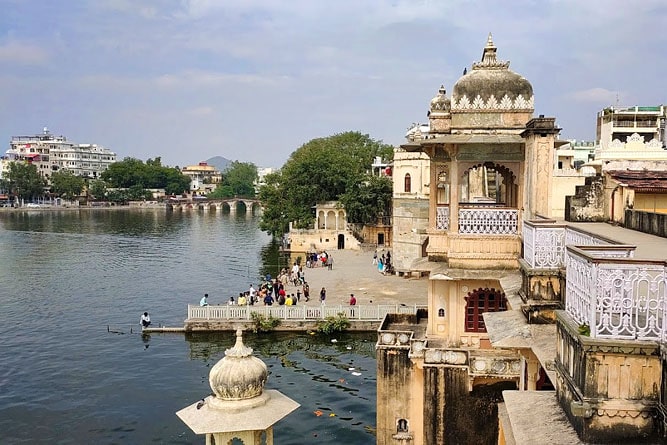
321,170
98,189
131,172
66,184
238,180
24,180
369,200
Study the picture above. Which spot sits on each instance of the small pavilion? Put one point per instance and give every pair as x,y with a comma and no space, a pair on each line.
239,411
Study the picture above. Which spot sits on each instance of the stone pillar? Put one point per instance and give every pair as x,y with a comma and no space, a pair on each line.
532,373
454,192
232,207
540,135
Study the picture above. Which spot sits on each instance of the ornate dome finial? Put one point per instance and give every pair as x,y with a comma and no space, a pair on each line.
489,60
238,375
239,349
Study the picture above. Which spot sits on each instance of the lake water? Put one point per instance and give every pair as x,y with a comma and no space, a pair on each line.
66,276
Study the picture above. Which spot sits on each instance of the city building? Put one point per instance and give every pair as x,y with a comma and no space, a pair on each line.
621,123
410,209
562,322
488,159
50,153
204,178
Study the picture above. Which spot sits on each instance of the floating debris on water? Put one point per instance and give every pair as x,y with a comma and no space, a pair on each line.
356,373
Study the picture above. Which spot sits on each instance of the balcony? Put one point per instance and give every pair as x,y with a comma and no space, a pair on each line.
616,297
544,243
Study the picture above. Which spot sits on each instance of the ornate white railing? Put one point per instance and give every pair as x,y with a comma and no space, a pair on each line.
299,312
544,244
617,298
489,221
442,218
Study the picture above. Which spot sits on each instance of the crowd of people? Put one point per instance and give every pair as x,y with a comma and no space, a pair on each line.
290,287
383,262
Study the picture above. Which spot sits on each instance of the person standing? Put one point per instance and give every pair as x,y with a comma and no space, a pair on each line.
323,295
204,300
353,300
306,291
375,257
145,320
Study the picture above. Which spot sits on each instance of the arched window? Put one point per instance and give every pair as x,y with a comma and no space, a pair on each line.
441,312
407,183
402,426
480,301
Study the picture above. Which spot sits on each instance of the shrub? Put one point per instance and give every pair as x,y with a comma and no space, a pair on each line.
333,324
263,323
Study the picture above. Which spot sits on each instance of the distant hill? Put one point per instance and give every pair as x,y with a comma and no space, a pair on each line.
219,162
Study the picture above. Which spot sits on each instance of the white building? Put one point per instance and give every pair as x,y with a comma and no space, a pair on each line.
50,153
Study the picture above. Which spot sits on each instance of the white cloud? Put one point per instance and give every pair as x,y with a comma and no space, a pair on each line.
201,111
597,95
20,53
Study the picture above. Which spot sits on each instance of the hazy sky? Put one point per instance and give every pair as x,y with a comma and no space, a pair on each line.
252,80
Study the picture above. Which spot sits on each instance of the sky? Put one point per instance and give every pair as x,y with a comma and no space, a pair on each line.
253,80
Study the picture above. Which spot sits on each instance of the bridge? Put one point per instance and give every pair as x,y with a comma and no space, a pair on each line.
251,205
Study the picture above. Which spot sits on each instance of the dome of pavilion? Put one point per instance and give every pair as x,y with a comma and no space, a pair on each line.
490,85
239,375
440,103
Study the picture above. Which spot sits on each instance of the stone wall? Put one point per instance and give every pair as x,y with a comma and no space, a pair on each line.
647,222
395,379
587,205
609,389
410,221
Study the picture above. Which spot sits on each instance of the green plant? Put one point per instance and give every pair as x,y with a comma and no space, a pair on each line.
263,323
585,330
333,324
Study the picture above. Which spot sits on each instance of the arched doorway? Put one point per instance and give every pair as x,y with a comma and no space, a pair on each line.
341,241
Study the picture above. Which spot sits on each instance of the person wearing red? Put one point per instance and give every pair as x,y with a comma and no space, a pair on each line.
353,301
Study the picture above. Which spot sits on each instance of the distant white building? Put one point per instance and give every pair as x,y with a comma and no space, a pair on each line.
50,153
262,172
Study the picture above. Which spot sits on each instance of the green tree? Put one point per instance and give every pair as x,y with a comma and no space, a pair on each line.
131,172
24,180
98,189
66,184
320,170
238,180
369,200
274,220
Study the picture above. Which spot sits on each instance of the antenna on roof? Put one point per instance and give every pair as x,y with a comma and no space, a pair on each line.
617,98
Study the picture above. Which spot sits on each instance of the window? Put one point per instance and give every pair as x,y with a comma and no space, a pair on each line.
480,301
407,183
402,426
441,312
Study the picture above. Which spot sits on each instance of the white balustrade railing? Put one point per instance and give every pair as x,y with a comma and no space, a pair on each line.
299,312
442,218
544,244
617,298
489,221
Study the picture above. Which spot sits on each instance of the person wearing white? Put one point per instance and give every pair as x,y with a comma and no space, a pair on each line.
204,300
145,320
